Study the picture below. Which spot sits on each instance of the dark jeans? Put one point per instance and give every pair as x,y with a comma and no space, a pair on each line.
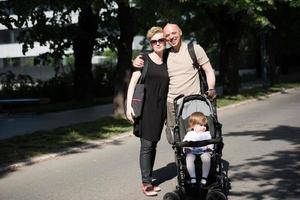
147,158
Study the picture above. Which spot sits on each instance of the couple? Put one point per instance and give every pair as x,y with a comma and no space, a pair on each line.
163,82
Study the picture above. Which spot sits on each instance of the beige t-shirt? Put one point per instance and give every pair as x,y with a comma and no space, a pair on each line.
184,78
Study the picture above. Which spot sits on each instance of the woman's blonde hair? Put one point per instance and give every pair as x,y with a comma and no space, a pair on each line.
197,118
153,30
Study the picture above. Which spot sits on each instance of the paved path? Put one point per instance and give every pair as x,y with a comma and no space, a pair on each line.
12,125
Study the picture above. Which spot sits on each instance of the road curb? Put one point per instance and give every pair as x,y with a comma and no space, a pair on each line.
94,144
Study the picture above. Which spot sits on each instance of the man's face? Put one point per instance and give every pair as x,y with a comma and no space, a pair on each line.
172,34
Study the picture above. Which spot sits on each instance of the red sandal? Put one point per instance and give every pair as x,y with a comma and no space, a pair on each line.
148,190
156,188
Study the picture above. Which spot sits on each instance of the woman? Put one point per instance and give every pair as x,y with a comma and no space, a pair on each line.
149,125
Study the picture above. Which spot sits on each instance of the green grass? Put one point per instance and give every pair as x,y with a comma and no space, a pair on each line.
253,93
44,142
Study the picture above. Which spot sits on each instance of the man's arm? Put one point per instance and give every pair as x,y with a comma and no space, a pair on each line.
211,79
138,62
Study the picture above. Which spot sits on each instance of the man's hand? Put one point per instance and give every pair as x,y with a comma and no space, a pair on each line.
138,62
211,93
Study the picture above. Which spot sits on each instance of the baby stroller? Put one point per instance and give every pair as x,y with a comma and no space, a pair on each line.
218,184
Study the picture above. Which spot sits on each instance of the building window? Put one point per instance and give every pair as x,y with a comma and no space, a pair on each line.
5,37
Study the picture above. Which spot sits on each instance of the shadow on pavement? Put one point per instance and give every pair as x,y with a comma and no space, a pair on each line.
277,173
165,173
50,154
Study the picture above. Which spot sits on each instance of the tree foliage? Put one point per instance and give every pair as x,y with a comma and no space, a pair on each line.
63,26
221,27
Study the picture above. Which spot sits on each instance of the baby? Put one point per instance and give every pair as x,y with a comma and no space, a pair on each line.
197,132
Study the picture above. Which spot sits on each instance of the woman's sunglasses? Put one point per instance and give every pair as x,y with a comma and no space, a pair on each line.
159,41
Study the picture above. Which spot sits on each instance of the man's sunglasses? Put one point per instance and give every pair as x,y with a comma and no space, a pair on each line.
159,41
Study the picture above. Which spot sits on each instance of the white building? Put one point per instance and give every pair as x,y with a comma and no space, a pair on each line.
12,58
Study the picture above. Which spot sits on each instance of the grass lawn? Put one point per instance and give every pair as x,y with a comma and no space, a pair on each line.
44,142
254,93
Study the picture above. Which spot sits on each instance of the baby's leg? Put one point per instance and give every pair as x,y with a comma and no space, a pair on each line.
190,165
205,157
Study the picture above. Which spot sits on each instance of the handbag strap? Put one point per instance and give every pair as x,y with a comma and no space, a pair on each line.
144,70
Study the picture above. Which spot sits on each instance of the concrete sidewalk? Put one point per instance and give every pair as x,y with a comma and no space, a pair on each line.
20,124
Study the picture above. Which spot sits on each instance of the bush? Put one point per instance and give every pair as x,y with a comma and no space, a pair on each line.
58,89
13,86
103,80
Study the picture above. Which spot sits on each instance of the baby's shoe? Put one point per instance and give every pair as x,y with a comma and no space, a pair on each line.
193,180
203,181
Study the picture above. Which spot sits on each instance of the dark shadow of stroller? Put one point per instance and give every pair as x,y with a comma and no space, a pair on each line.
218,183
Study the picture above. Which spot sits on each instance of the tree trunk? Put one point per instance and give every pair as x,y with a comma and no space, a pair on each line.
257,57
124,57
229,37
229,71
273,69
83,45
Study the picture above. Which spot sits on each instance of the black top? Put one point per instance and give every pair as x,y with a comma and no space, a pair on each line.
154,111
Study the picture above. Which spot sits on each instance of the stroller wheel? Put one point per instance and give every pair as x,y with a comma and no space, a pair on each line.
172,196
215,195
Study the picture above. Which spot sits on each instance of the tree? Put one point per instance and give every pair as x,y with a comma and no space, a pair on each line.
227,22
284,39
57,30
124,56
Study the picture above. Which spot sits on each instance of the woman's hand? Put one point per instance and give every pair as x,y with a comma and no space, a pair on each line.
130,114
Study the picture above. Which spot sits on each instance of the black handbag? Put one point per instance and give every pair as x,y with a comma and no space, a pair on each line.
139,92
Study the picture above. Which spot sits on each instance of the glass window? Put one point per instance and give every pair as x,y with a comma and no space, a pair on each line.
5,36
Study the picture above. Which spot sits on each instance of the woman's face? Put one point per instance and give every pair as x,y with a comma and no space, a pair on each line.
158,42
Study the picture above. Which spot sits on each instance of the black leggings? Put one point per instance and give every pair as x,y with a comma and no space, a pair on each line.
147,158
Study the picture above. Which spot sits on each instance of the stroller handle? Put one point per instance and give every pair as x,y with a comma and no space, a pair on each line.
178,97
198,143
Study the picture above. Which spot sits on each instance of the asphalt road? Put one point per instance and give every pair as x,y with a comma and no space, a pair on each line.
262,141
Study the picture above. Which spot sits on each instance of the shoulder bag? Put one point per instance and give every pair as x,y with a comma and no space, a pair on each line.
139,92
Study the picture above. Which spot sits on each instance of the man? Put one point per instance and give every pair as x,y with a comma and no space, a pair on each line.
184,78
